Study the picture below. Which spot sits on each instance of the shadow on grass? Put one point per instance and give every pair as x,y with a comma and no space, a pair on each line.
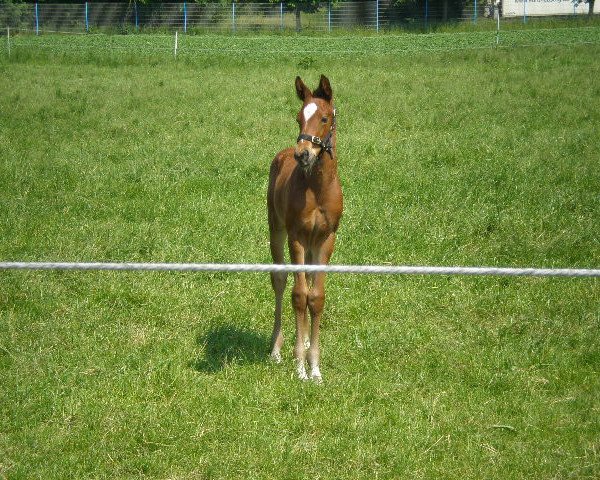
228,344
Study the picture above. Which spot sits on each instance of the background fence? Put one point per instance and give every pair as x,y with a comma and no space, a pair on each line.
195,17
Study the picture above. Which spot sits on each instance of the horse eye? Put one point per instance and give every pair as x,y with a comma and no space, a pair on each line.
324,119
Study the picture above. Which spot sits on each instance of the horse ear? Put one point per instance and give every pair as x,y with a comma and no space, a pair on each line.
324,90
302,90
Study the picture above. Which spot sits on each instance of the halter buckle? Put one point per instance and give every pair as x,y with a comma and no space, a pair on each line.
311,138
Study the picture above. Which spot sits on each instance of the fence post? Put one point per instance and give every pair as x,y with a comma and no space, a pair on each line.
281,14
497,6
137,25
87,25
233,16
8,39
184,17
37,20
426,14
524,11
175,44
475,12
377,15
329,16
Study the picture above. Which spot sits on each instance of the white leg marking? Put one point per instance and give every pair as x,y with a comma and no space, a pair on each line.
301,370
309,111
315,374
276,356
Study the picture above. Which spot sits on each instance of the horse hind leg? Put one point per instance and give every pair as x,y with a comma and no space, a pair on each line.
278,282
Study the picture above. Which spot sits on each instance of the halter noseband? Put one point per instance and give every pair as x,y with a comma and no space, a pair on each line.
326,144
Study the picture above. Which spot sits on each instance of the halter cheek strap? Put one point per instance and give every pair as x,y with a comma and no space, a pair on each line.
326,144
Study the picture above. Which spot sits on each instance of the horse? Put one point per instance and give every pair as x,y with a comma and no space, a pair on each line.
305,204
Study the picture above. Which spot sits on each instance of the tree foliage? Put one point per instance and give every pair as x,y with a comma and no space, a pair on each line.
589,2
12,13
299,6
439,9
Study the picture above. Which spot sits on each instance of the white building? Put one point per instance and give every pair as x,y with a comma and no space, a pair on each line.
535,8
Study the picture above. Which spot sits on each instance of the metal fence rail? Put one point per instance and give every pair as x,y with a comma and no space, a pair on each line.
259,267
192,16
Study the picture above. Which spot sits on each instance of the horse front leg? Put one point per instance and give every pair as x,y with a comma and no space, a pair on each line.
316,303
299,302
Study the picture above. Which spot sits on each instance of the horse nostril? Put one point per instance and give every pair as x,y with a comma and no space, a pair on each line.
301,157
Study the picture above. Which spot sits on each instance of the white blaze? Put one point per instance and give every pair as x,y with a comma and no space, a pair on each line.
309,111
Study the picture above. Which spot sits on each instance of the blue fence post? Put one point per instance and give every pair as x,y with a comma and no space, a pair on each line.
426,13
137,25
377,15
281,14
37,20
329,16
184,17
87,25
475,12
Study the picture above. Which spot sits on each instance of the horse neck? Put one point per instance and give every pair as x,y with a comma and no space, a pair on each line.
326,171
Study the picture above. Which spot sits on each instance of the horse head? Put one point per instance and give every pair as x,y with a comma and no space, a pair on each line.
316,119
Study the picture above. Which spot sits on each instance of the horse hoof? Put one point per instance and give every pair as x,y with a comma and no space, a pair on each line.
301,369
276,357
315,376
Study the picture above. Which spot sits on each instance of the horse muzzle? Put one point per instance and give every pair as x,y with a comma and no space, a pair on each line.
305,159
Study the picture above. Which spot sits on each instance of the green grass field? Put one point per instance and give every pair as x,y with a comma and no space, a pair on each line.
477,156
129,49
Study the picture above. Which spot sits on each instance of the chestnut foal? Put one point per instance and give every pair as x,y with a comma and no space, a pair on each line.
305,204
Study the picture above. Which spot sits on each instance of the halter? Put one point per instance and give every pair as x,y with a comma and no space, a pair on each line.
326,144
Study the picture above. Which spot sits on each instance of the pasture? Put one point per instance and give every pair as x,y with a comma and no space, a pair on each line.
475,156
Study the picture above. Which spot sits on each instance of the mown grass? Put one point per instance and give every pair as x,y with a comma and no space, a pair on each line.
118,49
473,157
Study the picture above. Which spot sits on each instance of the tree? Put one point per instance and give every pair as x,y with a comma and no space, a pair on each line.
589,2
307,6
437,9
13,13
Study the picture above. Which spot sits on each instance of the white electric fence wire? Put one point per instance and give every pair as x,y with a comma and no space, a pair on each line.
360,269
